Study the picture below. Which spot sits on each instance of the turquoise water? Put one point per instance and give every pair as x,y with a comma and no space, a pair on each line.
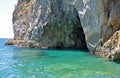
16,62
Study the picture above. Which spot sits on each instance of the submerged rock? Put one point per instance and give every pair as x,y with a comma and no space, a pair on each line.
29,54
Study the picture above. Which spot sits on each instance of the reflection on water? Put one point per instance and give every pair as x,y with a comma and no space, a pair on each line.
18,62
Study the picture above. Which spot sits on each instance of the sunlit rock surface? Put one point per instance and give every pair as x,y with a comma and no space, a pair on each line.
111,48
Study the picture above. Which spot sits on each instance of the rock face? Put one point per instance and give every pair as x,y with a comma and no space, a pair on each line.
31,18
91,20
49,23
69,23
111,48
109,44
100,19
111,20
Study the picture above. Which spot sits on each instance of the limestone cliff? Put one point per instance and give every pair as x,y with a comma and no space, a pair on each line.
68,23
31,18
48,23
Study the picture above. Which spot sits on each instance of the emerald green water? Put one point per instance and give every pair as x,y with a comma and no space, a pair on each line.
18,62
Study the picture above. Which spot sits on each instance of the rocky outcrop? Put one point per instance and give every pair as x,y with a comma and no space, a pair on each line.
109,45
23,43
69,24
14,42
111,48
49,23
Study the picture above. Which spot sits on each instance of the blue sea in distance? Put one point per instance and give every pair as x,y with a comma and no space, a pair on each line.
17,62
